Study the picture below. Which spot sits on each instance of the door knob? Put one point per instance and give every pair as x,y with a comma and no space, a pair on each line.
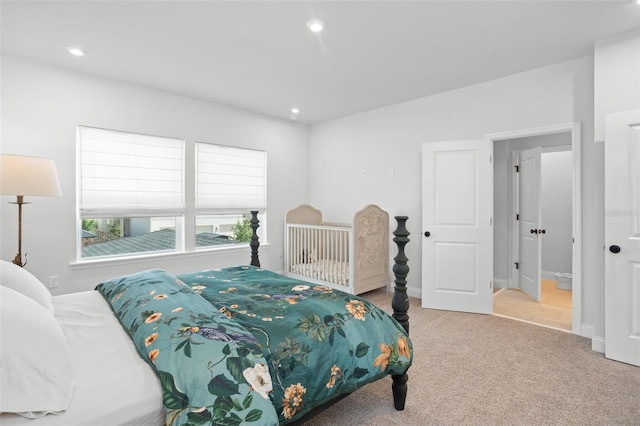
542,231
534,231
614,249
427,234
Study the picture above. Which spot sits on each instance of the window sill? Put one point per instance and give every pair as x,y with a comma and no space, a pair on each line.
144,258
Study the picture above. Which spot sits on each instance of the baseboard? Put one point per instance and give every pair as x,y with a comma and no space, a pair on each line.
411,291
549,275
500,283
598,344
414,292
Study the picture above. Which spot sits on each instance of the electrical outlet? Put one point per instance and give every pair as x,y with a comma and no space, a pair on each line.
53,281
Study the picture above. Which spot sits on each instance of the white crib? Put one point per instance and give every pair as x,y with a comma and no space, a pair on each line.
350,257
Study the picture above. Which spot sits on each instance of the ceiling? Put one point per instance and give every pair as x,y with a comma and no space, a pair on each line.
260,56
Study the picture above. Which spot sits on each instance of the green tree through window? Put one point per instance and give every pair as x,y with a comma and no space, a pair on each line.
242,230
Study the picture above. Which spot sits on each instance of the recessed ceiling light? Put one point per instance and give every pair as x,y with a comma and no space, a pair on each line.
315,25
295,111
76,51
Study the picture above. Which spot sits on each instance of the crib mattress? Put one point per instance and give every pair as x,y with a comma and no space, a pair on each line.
333,271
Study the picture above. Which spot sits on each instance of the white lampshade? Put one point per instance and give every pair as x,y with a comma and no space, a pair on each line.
25,175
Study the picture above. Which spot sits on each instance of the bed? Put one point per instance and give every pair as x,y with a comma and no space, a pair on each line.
237,345
351,257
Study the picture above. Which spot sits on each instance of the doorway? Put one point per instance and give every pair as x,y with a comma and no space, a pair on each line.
541,285
557,234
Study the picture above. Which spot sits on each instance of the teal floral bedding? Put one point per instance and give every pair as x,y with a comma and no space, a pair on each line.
244,345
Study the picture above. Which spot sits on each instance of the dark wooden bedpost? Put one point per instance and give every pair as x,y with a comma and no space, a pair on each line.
255,242
400,301
400,304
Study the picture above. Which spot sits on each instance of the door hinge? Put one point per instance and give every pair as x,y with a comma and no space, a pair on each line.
517,168
517,216
517,265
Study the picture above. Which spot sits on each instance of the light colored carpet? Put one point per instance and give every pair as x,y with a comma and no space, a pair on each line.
472,369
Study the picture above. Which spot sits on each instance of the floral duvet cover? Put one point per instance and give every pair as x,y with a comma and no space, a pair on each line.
244,345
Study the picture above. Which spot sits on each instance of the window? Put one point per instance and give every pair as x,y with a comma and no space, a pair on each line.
131,194
230,182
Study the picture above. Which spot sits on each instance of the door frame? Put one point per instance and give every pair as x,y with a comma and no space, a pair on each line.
576,259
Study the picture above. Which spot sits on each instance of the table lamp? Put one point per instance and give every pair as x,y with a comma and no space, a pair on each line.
22,175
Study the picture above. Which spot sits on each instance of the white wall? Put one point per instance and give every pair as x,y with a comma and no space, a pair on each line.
392,137
617,77
41,107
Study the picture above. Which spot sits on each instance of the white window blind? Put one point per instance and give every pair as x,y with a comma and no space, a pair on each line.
229,178
127,174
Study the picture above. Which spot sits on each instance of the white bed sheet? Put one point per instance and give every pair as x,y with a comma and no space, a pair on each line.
114,386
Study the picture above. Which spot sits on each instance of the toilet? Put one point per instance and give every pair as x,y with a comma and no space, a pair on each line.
564,281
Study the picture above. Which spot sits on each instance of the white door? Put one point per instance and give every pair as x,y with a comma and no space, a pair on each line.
622,237
457,241
529,229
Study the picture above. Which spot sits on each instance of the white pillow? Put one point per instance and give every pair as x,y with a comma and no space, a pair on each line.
35,371
22,281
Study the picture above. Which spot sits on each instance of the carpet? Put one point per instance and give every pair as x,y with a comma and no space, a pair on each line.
472,369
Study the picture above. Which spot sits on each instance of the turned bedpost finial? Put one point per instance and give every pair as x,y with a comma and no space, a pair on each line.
255,242
400,300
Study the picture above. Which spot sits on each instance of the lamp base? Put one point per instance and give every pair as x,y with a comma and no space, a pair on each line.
18,260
